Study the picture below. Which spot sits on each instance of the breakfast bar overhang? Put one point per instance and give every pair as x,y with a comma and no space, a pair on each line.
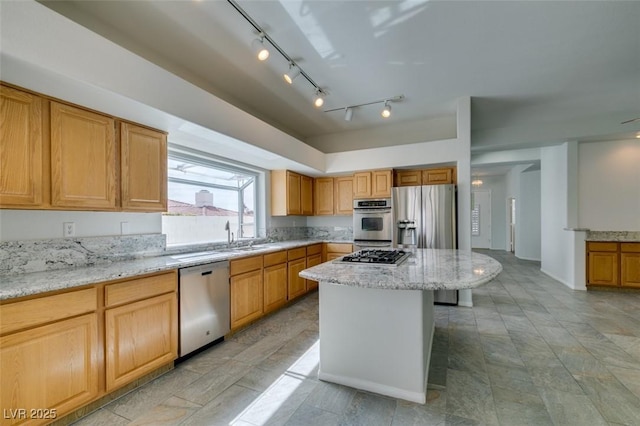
377,321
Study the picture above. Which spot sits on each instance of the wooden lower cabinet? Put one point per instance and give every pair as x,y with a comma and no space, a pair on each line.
246,298
603,268
313,260
331,251
275,287
52,369
140,337
296,284
630,274
614,264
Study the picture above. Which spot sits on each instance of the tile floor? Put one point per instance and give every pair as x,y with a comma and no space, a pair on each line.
530,351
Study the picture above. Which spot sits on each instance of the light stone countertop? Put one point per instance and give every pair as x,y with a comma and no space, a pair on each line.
426,269
614,236
19,285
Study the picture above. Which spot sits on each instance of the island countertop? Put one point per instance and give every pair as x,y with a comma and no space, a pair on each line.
425,269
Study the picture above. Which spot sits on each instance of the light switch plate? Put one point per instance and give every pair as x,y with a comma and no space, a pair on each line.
69,229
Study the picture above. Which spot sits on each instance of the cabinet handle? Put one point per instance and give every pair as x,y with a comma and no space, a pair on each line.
207,273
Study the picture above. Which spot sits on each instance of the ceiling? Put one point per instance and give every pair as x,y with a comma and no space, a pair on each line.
538,73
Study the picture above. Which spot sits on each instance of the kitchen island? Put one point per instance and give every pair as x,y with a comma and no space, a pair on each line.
377,321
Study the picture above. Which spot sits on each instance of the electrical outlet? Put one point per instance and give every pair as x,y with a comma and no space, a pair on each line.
69,229
124,228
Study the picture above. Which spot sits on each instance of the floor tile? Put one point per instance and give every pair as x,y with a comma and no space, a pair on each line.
367,409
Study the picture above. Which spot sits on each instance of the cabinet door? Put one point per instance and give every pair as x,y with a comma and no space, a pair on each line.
408,178
314,260
603,268
275,287
324,196
52,366
630,263
83,159
296,284
437,176
246,298
21,178
294,204
343,195
143,159
306,195
139,338
381,183
362,185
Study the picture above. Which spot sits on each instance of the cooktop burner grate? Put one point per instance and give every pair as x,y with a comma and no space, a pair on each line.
378,257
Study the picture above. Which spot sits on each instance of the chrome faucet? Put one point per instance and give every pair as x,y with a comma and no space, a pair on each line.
229,233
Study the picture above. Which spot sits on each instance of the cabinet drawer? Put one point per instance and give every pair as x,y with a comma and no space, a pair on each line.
246,264
600,246
339,248
275,258
314,249
139,288
30,313
297,253
630,247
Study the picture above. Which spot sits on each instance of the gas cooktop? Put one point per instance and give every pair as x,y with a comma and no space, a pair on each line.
377,257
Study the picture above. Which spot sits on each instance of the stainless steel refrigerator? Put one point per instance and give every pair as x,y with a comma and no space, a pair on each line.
426,216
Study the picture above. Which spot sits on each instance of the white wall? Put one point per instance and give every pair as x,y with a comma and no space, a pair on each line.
609,185
528,217
18,225
557,246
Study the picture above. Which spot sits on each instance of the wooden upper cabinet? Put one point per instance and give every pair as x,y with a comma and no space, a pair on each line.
323,196
294,202
362,185
21,150
343,195
306,195
83,159
408,177
381,183
373,184
438,176
291,193
143,162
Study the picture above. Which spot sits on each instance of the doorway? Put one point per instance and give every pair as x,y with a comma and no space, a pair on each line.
481,220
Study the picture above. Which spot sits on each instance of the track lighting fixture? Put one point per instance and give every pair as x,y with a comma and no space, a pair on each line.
386,111
261,51
260,48
318,101
293,72
348,114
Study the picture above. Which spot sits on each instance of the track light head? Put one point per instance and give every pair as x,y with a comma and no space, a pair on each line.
318,100
348,114
386,112
294,71
259,48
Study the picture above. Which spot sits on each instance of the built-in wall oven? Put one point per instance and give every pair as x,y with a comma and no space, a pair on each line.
372,223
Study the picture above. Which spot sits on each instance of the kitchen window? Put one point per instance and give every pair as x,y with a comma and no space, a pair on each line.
203,195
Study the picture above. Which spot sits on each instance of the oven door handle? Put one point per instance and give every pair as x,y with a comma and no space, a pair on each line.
369,211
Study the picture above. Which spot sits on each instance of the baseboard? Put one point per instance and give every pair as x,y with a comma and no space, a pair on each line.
566,283
529,258
418,397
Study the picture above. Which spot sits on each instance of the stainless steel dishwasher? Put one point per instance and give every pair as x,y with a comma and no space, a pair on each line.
204,305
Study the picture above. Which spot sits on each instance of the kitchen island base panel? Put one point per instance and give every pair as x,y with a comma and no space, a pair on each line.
376,340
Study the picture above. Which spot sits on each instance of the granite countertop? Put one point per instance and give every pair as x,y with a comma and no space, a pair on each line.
614,236
426,269
19,285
